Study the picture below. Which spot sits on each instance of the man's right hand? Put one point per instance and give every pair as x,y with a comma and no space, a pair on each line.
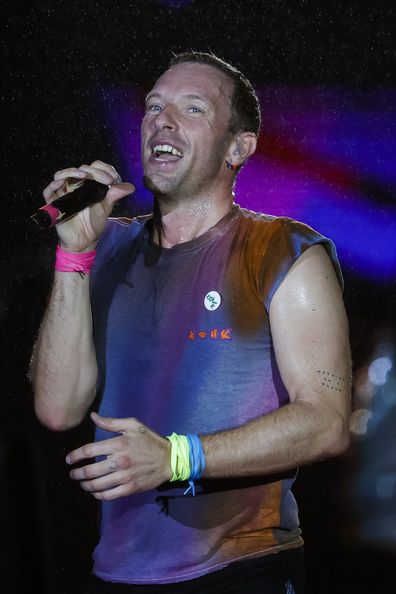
81,232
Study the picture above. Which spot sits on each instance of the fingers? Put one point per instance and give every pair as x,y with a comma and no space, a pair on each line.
115,492
138,459
97,170
91,471
109,466
69,172
103,480
119,191
50,192
108,169
108,479
118,425
100,175
101,172
107,488
106,482
92,450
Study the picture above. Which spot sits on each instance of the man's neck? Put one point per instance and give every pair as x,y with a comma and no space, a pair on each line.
179,221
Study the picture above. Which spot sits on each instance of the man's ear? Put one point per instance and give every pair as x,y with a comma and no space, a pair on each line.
242,147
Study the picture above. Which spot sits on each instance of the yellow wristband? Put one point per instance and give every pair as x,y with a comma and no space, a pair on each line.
180,457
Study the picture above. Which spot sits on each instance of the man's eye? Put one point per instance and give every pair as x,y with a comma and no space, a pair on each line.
195,110
153,108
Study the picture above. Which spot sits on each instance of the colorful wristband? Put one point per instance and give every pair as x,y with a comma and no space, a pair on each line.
187,459
81,262
197,456
180,459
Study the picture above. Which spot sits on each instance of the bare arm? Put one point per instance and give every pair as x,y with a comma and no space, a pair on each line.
63,365
311,340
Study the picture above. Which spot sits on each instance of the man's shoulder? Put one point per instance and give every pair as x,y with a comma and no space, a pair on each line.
280,240
273,224
253,216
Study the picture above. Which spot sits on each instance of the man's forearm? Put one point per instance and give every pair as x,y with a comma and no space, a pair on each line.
63,367
298,433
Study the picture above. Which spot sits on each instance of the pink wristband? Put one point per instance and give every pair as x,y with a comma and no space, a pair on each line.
74,261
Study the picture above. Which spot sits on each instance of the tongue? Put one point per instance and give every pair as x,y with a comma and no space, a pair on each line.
167,157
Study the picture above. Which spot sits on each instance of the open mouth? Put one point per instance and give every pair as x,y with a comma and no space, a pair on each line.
166,152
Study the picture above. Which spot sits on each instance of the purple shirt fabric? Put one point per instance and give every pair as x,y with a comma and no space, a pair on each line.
183,344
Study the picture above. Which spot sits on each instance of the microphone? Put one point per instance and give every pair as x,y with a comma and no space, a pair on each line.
79,195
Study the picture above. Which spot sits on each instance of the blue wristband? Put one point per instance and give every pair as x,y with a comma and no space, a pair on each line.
197,460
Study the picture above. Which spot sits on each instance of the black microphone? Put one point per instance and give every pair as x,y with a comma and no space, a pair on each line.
80,195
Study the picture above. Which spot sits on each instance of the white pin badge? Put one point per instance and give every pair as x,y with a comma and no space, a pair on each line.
212,300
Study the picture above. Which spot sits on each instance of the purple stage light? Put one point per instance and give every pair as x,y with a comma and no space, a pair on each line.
175,3
325,157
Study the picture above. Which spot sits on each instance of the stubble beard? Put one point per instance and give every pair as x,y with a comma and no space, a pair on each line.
167,190
186,185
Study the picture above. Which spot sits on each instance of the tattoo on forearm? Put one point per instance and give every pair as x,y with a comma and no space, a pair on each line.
331,380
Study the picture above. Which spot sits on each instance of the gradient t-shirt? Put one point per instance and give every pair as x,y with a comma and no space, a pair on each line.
184,345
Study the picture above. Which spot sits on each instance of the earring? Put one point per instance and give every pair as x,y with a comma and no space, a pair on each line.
231,166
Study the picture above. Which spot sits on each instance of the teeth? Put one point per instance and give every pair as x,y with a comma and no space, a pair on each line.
166,148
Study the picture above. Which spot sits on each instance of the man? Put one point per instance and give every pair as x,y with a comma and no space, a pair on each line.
208,321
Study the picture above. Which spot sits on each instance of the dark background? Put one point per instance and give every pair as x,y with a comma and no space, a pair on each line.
57,56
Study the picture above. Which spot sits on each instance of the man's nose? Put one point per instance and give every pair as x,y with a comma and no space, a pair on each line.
166,118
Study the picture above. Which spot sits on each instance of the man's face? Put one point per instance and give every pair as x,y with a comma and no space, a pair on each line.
185,130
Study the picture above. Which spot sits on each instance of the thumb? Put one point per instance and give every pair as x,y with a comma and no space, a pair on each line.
119,191
110,423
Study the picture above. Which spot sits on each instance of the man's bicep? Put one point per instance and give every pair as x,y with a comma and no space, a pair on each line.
310,333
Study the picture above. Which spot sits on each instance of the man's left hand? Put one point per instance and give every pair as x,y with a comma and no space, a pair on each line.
136,460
